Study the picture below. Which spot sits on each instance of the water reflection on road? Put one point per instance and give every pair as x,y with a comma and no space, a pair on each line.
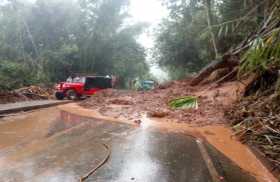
69,146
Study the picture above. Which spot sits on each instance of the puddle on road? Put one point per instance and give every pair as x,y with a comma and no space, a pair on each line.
219,136
149,154
222,139
65,121
68,146
26,127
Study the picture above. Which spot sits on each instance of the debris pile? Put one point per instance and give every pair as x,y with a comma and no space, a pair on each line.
36,92
132,105
26,94
121,102
158,114
105,97
256,121
10,97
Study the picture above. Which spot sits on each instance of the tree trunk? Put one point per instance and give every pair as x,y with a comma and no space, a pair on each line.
210,23
228,61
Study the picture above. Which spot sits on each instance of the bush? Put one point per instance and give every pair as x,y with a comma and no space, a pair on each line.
15,75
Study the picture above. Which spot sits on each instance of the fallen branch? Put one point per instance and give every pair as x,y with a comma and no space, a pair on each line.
228,61
228,76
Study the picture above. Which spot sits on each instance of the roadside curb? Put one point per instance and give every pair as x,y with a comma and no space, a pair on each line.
14,109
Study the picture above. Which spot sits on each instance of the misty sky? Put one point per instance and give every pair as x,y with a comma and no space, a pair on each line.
150,11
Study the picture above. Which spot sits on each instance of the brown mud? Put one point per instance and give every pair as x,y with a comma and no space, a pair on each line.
213,99
26,127
26,94
220,136
208,121
39,131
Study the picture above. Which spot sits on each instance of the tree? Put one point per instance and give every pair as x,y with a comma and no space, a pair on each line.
208,6
56,38
207,28
179,48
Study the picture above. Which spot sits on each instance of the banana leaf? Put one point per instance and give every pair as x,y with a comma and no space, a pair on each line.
187,102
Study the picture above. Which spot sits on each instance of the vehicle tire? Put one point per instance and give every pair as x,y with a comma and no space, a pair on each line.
72,95
59,96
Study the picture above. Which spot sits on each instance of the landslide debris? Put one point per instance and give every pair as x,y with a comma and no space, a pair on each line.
132,105
256,121
255,118
26,94
10,97
36,92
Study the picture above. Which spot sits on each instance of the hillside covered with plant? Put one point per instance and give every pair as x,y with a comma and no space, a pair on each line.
239,40
47,41
196,32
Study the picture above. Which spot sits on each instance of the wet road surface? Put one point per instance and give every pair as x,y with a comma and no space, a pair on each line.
28,105
69,146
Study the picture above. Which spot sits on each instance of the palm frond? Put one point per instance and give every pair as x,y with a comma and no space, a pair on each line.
264,54
184,103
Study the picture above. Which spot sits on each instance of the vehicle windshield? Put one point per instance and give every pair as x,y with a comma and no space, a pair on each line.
76,80
79,80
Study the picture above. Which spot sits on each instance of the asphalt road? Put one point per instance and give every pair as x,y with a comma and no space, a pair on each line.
28,105
65,147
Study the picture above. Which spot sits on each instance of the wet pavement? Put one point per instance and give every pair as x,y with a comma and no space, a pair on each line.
28,105
69,146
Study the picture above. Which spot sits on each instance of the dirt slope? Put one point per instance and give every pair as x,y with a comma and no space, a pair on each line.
132,105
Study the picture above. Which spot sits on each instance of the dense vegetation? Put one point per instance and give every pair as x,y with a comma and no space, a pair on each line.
243,37
46,41
199,31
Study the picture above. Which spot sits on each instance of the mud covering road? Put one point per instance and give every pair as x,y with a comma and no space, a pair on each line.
131,105
63,147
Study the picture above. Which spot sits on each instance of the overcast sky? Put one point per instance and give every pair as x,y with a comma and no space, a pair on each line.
150,11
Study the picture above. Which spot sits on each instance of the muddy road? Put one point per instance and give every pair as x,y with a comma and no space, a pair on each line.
59,145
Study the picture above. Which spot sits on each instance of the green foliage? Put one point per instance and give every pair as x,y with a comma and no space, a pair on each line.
184,103
238,19
51,39
59,63
184,40
178,45
57,38
263,55
183,46
14,75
